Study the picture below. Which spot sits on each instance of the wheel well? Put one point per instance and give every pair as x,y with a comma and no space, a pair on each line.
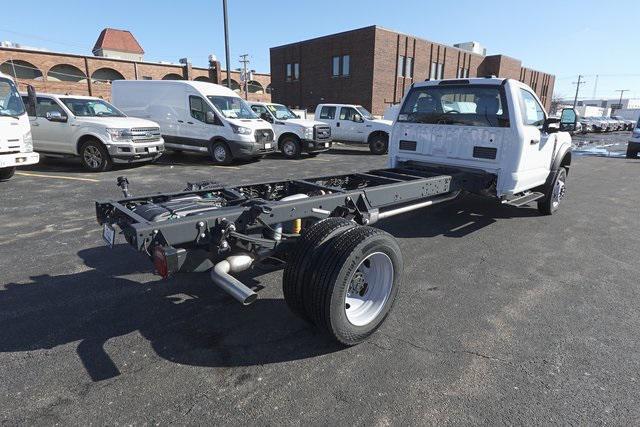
284,135
566,162
85,138
378,133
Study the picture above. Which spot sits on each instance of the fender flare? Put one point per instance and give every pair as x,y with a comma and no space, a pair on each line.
288,133
377,132
85,136
561,159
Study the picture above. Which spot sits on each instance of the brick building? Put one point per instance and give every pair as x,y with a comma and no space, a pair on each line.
66,73
373,66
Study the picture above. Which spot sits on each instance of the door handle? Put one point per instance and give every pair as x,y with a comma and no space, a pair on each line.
180,121
190,123
338,124
534,141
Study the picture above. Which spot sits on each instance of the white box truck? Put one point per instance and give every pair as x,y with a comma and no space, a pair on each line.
16,145
197,116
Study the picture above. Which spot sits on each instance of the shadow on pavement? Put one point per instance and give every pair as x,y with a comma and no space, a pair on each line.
186,319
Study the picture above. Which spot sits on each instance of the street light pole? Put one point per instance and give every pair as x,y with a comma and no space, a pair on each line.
578,83
226,41
245,85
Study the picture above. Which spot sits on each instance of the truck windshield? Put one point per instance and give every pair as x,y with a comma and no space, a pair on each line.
465,105
232,107
281,112
364,113
91,108
10,101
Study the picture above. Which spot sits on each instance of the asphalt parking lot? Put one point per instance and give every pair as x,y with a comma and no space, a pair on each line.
505,316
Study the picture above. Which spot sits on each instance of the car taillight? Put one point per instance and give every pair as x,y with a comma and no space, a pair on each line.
160,262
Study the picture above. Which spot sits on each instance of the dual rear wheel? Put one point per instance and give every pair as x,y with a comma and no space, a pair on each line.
343,278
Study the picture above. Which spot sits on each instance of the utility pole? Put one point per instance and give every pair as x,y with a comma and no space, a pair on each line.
622,91
595,87
578,83
226,41
244,61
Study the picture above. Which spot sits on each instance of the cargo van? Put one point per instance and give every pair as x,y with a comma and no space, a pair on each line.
197,116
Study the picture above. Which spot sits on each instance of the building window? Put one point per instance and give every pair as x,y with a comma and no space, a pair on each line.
400,66
462,73
292,71
147,78
432,71
340,65
408,68
437,71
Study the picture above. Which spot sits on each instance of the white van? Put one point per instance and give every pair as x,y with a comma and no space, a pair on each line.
197,116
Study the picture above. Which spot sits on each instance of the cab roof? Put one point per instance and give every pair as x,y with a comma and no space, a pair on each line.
205,88
489,81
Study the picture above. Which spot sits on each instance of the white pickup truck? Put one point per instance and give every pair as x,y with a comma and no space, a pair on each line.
293,134
94,130
16,146
353,123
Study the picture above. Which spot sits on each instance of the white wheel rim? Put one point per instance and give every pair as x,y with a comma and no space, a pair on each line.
92,156
220,153
289,148
558,192
369,289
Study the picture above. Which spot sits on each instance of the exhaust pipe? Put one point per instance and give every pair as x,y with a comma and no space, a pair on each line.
404,209
221,277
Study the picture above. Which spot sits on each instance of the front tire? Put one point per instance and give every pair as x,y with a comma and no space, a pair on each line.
354,283
7,173
290,147
631,153
220,153
95,157
554,195
379,144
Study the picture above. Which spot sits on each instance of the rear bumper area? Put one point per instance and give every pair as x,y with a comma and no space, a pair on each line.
18,159
309,146
245,150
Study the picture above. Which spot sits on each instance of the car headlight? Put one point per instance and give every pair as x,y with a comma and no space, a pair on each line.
240,129
308,133
28,141
120,134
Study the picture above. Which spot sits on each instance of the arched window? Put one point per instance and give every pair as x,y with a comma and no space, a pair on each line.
234,85
21,69
203,79
106,75
255,87
65,73
269,88
172,76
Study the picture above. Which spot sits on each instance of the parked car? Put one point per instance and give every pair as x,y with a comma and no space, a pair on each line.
353,123
94,130
627,124
601,124
633,146
294,135
587,124
16,144
197,116
617,123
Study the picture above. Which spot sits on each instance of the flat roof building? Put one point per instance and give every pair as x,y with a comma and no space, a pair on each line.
374,66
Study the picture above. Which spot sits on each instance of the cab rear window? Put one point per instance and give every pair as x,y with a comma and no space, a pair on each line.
463,105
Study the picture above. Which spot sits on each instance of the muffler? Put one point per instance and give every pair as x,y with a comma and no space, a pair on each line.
221,277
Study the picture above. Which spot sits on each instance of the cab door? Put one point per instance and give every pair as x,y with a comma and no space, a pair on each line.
50,128
351,125
328,116
538,147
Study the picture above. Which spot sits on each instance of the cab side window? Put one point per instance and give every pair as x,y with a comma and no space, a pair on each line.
261,112
347,113
199,108
44,106
328,113
532,111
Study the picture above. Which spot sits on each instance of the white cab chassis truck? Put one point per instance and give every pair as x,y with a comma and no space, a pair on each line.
489,137
197,116
16,145
353,123
93,130
294,135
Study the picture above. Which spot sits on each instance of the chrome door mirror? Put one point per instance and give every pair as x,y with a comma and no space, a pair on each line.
55,116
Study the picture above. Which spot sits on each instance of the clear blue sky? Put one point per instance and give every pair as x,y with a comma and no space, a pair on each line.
565,38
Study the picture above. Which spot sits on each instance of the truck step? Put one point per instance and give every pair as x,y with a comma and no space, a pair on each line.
524,199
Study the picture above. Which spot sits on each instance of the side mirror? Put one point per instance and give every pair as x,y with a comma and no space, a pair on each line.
357,118
31,105
546,127
210,118
56,116
568,120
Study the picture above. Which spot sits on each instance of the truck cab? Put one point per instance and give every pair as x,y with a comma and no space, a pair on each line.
294,135
633,146
93,130
353,123
16,144
497,127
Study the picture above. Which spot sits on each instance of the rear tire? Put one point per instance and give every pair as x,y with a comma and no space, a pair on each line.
303,254
379,144
555,193
220,153
631,153
290,147
353,284
95,157
7,173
